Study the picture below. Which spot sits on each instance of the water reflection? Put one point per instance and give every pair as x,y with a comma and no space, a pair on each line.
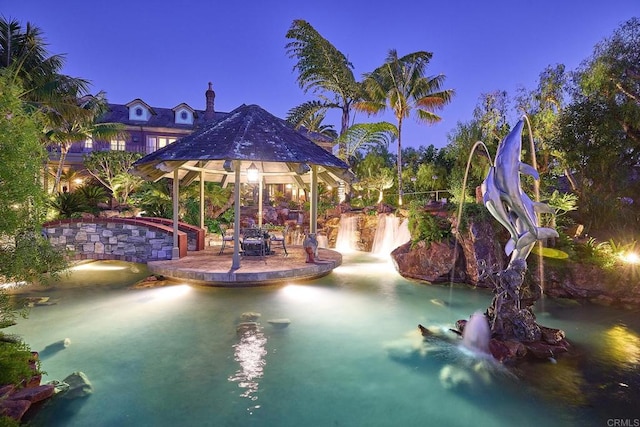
250,353
622,346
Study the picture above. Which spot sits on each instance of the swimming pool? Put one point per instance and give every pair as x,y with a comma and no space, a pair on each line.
350,356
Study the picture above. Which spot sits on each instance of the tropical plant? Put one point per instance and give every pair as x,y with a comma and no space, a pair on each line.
401,83
24,55
427,227
374,173
23,201
599,134
313,123
79,123
108,167
154,199
68,204
324,71
123,185
92,196
364,135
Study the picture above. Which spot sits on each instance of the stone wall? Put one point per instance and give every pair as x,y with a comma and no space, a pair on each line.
126,239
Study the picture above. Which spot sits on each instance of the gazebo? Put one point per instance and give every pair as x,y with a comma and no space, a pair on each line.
249,144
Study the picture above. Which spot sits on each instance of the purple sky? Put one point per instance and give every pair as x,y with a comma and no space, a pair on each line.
165,52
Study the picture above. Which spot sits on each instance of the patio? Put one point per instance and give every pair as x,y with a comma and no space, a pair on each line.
209,268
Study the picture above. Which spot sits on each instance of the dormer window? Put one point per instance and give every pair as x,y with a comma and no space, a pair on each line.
183,114
139,111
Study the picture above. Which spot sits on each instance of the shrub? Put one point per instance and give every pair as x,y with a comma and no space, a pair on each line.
68,205
427,227
15,358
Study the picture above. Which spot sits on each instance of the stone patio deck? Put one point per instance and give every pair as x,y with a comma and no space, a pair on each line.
208,268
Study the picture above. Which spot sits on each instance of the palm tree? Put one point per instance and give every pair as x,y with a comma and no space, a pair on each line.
326,72
314,123
24,55
365,135
401,83
79,123
67,114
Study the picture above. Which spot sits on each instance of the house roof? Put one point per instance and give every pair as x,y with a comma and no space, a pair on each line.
248,134
163,117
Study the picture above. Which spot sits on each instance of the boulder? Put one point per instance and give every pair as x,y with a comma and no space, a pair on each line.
6,390
279,323
79,386
33,394
431,262
14,409
250,316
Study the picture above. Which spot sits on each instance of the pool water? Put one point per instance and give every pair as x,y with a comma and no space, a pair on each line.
351,356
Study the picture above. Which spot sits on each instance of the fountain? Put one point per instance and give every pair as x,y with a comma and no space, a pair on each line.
511,318
477,334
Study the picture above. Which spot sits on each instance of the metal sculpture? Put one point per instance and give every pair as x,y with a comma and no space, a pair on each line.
504,198
510,314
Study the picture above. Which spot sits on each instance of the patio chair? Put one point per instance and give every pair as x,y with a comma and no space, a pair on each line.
228,235
279,239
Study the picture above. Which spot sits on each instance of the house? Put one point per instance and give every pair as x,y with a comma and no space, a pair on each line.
150,128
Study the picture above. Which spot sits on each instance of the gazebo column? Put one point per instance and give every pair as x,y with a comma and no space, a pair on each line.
313,214
235,264
175,253
260,202
202,199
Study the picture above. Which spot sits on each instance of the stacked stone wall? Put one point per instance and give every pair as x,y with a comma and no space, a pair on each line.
114,238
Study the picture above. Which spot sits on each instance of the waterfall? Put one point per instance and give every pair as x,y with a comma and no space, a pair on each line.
347,234
390,233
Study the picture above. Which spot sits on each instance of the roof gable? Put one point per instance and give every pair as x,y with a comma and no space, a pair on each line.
139,110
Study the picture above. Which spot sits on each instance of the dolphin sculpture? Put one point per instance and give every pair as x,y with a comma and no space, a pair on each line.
492,198
505,200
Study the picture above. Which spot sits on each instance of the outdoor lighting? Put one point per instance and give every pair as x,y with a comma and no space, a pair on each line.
252,173
78,181
303,168
228,165
164,167
630,258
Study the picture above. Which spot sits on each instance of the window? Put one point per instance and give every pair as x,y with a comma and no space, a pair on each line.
118,144
184,115
88,144
138,111
156,142
163,141
152,144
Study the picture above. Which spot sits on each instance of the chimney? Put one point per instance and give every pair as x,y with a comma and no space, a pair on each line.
209,112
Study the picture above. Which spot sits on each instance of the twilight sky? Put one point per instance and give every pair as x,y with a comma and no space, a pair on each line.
166,52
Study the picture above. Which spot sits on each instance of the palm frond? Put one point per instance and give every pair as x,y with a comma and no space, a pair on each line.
362,135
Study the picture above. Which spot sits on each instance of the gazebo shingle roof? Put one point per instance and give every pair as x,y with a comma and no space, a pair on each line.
248,133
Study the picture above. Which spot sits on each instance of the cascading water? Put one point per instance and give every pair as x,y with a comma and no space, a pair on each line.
347,234
390,233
